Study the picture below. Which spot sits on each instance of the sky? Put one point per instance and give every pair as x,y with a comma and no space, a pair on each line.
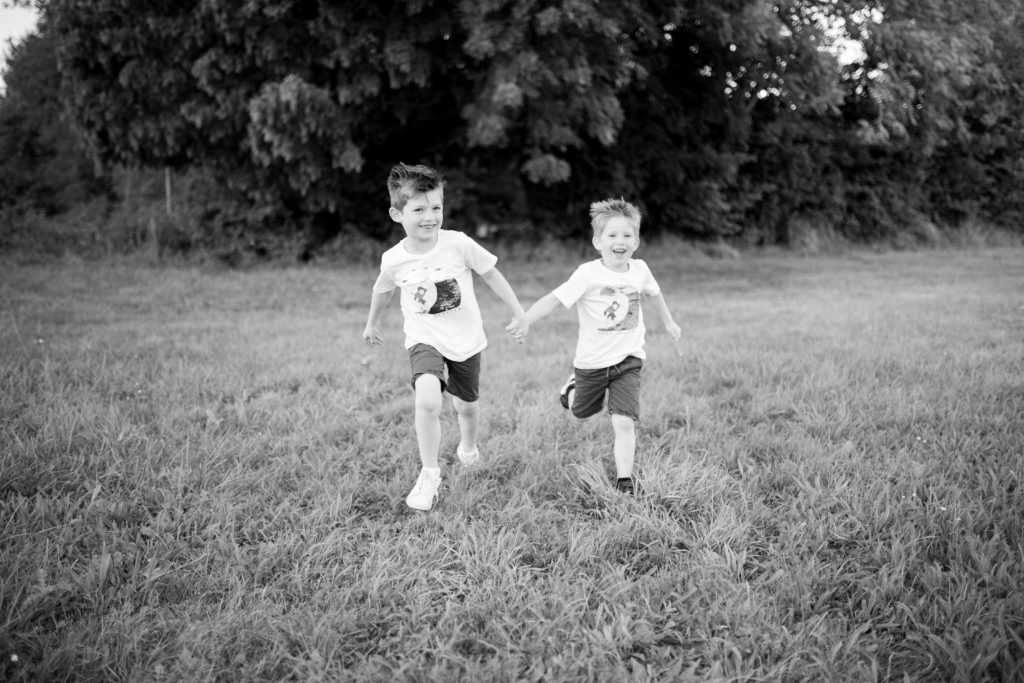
14,24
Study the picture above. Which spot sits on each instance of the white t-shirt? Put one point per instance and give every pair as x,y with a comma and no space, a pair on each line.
438,302
608,303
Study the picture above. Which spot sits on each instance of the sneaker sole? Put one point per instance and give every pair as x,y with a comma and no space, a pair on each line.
423,509
563,393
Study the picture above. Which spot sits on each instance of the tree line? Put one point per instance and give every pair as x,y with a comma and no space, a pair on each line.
745,119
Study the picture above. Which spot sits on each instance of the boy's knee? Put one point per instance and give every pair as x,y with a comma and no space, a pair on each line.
428,394
623,423
427,405
465,408
428,408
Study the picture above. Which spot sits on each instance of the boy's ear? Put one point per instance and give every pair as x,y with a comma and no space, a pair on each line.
395,214
596,241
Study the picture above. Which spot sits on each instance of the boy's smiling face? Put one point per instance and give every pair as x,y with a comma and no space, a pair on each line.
617,243
421,218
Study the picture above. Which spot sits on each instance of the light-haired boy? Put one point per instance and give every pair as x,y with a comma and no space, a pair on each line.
433,269
610,348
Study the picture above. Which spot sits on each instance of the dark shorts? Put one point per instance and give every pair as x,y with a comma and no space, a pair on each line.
463,377
621,381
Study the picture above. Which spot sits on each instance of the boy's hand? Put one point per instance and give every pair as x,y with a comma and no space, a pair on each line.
372,336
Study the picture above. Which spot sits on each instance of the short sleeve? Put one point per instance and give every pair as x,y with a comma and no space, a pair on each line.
649,285
384,283
573,289
477,258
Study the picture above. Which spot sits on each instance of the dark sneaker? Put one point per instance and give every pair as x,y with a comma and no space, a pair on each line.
625,485
563,393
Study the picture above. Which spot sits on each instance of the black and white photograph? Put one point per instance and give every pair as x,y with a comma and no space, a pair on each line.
500,341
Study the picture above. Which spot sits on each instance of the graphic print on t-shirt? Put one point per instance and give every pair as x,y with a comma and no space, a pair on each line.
621,308
432,290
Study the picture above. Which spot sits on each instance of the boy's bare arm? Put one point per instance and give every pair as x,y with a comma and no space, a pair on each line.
542,307
538,310
378,302
497,282
658,301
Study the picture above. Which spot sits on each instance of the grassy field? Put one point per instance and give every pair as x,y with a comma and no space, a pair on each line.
203,472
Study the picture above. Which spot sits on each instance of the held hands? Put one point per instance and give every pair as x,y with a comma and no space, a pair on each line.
518,327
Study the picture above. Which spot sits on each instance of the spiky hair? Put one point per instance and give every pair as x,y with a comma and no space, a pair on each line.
405,182
603,211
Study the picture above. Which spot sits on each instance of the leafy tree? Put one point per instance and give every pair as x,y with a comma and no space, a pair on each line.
729,74
303,105
932,99
978,172
914,136
43,166
712,113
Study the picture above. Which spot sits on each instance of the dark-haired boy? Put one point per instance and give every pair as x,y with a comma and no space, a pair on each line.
433,269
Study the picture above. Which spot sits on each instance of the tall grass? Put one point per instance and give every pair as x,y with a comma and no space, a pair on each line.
203,472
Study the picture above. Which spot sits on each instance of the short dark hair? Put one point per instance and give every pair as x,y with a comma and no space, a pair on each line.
405,182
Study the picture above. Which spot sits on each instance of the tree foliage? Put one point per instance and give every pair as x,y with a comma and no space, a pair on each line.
715,115
931,101
43,166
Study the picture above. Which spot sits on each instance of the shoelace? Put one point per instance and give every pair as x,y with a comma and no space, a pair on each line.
421,483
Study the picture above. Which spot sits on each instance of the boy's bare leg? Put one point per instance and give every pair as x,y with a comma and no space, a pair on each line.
428,418
469,420
625,444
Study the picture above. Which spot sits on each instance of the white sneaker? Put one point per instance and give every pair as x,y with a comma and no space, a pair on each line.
468,458
424,493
